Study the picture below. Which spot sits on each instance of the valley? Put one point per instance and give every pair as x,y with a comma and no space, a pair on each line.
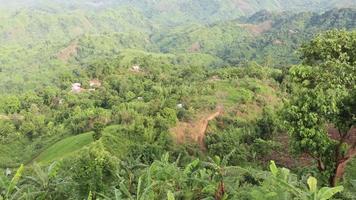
153,99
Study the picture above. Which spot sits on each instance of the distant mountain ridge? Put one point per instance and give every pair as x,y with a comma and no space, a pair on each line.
263,36
33,36
177,11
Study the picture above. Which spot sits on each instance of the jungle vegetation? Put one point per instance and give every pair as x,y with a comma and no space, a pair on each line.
177,100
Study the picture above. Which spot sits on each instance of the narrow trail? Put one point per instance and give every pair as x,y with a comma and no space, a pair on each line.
195,131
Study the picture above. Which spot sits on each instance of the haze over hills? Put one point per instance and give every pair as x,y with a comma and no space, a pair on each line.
39,40
173,12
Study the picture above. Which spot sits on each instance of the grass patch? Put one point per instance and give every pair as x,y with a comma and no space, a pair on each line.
21,150
64,148
230,94
14,153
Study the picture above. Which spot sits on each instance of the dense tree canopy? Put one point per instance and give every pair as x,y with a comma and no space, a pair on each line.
323,90
178,99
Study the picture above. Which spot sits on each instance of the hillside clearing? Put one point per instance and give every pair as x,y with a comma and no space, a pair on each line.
195,131
64,148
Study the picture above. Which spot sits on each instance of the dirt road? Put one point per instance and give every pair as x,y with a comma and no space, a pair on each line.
195,131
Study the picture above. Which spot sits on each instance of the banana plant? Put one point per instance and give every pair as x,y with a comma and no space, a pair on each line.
9,189
324,193
143,190
43,182
281,182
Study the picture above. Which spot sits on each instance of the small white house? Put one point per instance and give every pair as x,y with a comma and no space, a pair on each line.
77,87
136,68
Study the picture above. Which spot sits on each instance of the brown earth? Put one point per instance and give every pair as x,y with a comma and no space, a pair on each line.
283,156
195,131
334,134
66,53
195,47
257,29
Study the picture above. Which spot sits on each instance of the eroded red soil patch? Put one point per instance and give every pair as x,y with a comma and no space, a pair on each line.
195,47
284,157
195,131
258,29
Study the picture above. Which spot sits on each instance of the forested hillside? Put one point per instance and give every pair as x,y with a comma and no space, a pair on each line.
40,43
265,37
177,99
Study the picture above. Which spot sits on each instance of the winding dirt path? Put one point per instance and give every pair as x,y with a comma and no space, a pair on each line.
195,131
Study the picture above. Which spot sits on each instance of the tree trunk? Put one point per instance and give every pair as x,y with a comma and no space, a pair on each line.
341,166
219,194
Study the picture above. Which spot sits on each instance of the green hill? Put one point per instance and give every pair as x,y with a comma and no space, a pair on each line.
64,148
177,99
265,37
46,39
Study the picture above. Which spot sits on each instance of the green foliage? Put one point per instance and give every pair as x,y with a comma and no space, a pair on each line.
350,180
7,129
268,125
271,41
197,33
66,147
283,185
97,128
321,97
163,67
8,188
92,170
10,105
164,179
44,183
170,196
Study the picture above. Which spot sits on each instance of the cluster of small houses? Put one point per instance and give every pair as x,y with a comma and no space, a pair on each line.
95,83
77,87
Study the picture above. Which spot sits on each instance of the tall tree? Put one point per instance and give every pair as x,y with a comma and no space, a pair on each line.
320,115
